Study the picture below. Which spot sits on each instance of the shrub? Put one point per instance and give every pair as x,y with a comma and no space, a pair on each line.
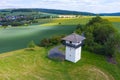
31,44
51,41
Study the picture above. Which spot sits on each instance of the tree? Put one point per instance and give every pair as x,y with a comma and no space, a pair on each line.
112,44
102,31
94,20
79,29
101,36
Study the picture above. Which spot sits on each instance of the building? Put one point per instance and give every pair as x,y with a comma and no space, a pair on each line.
73,45
67,16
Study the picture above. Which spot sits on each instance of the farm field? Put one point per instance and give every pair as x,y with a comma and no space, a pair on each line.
112,18
117,25
115,20
68,21
18,37
34,65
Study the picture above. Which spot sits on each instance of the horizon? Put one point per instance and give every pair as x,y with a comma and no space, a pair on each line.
96,6
59,9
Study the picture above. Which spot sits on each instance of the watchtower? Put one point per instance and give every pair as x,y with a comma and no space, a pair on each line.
73,45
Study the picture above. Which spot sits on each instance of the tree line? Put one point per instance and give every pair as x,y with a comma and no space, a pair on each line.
101,36
48,42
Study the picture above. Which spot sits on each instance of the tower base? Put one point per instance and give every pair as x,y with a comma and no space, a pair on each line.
73,54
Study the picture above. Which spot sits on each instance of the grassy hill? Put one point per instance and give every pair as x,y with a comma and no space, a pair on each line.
25,64
34,65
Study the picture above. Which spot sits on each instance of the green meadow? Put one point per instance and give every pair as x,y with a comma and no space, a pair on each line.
16,38
13,38
25,64
68,21
117,25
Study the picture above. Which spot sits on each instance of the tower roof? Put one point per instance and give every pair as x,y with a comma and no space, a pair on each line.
74,38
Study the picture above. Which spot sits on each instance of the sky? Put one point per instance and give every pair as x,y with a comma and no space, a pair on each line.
94,6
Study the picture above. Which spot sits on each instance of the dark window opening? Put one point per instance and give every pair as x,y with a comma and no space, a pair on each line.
70,42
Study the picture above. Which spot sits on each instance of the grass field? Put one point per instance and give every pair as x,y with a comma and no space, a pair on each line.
19,37
25,64
34,65
117,25
16,38
112,18
68,21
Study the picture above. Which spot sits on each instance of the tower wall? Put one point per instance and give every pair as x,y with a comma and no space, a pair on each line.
73,54
77,54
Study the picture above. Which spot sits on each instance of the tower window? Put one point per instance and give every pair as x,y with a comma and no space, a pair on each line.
70,42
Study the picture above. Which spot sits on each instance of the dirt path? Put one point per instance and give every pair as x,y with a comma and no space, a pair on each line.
102,73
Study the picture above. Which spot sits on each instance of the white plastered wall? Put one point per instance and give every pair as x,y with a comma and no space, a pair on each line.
73,54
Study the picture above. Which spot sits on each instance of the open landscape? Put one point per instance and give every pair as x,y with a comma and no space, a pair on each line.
59,40
25,64
35,65
19,37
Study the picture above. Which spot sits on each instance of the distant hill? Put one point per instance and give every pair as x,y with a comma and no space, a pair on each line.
59,12
64,12
50,11
23,10
110,14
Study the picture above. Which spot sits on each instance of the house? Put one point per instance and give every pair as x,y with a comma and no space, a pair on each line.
67,16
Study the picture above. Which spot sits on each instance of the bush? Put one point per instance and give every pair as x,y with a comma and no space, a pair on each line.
51,41
31,45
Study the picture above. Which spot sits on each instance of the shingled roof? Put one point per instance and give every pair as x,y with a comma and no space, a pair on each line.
74,38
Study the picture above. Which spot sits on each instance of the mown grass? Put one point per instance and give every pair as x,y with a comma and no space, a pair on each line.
34,65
